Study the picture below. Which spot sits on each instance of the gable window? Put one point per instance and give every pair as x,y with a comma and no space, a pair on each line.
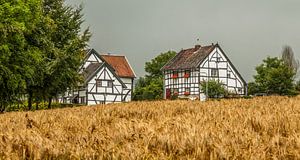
228,75
110,84
104,83
98,83
214,72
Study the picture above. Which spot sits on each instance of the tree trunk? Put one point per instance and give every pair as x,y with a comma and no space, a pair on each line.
30,94
37,105
2,108
49,102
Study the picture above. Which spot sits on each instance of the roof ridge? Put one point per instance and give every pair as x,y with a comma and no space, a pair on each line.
112,55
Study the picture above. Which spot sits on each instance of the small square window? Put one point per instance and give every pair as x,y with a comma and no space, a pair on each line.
175,73
110,84
187,89
214,72
98,83
239,89
228,75
174,90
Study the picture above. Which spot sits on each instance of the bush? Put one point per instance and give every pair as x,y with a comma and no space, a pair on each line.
215,89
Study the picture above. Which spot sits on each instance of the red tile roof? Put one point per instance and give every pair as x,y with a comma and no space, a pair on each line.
120,65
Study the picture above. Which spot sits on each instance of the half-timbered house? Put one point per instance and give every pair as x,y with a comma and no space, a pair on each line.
190,67
107,79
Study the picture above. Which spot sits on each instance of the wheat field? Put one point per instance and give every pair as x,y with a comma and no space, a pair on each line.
259,128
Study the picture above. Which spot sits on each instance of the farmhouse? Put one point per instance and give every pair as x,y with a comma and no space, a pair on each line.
190,67
107,79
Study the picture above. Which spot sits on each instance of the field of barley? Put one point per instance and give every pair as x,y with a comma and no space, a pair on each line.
259,128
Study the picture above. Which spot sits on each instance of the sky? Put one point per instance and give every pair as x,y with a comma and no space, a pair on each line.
247,30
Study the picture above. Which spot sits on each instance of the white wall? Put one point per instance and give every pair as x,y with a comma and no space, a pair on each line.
233,83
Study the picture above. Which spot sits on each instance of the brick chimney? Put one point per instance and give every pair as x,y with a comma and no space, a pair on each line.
197,46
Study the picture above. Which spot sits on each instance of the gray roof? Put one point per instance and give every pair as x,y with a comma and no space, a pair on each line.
90,70
189,58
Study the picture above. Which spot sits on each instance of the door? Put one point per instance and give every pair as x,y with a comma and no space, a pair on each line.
168,93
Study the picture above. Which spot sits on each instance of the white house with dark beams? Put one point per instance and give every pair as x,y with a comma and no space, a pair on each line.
184,73
107,79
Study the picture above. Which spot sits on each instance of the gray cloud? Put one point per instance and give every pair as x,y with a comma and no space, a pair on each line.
248,31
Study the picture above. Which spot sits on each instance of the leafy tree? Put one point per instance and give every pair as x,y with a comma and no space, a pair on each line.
275,77
151,87
215,89
17,19
58,37
297,87
253,88
289,58
148,89
41,49
153,67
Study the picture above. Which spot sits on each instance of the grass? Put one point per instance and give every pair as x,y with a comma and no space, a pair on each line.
259,128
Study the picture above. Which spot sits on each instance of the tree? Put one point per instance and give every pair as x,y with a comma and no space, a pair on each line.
297,87
58,37
17,19
215,89
41,49
147,89
151,87
253,88
275,77
153,67
289,58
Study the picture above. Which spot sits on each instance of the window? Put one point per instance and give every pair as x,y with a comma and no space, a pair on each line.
98,83
110,84
176,81
175,74
214,72
187,73
228,75
187,91
104,83
175,91
82,100
239,89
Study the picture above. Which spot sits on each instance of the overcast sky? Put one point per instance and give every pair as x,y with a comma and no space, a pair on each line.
248,31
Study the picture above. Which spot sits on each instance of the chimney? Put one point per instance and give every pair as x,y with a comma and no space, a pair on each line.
197,46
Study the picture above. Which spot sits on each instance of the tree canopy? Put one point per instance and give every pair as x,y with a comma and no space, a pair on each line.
151,87
41,49
153,67
275,77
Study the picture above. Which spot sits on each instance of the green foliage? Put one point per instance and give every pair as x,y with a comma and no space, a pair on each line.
17,19
153,67
41,49
253,88
147,89
297,86
275,77
215,89
151,87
